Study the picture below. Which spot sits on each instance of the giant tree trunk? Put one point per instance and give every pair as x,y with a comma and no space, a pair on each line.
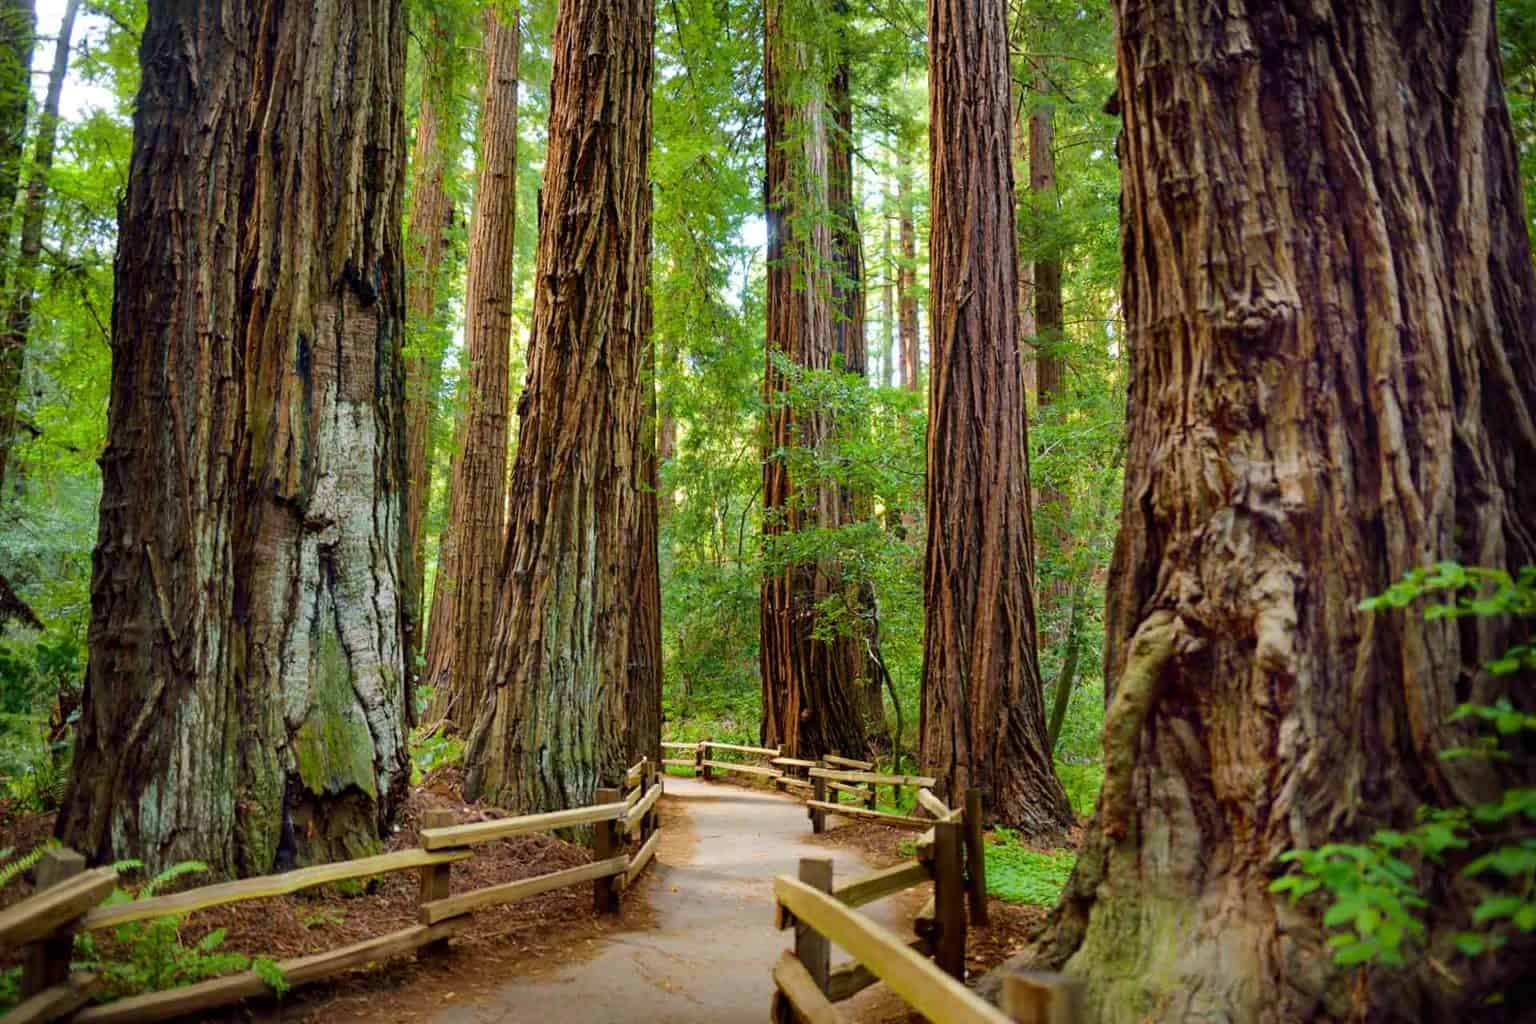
426,243
812,701
556,723
1331,319
983,711
1050,382
459,643
245,694
643,703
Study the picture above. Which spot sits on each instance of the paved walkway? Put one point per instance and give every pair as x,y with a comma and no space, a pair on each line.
713,944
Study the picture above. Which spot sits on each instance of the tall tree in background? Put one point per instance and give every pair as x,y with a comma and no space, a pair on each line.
906,277
813,700
1330,304
431,213
245,695
18,27
459,643
983,721
556,724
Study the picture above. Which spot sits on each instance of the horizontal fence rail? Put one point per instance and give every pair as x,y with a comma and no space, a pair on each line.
44,925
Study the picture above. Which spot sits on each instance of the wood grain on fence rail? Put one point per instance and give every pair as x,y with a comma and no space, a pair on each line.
926,989
267,886
806,1001
885,882
762,751
848,762
748,769
849,811
511,892
41,914
489,831
837,775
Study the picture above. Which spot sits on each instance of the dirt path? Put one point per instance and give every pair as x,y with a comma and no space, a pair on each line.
713,944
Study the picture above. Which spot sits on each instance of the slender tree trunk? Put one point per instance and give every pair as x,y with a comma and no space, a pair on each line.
983,710
556,725
891,377
1332,329
849,342
17,28
459,642
666,430
906,280
245,694
426,243
1028,345
1050,382
643,702
812,701
1066,681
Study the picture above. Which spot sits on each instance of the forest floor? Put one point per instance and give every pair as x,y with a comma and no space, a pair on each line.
694,940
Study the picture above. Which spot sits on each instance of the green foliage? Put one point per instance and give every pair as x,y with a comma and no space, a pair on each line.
1376,906
432,750
1018,874
151,956
12,867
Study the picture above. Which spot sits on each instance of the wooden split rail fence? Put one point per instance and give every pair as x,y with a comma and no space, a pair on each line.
68,898
928,973
823,782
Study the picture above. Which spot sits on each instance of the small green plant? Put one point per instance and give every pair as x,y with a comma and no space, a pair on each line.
1374,900
12,869
150,956
430,751
1018,874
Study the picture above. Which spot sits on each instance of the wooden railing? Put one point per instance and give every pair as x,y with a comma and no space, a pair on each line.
807,986
67,899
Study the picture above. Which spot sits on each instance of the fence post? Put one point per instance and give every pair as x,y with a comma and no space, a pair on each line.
869,799
812,949
1038,997
975,857
819,816
949,898
700,768
652,777
435,878
47,961
605,844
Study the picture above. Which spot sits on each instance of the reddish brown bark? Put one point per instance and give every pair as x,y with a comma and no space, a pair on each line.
245,695
1050,381
556,725
459,642
426,238
983,712
906,281
1331,317
812,697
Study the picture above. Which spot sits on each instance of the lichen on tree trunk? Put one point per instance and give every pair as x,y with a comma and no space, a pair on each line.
1331,317
554,727
245,694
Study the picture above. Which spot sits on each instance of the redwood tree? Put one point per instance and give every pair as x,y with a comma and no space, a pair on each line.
812,696
434,151
245,694
983,721
464,592
555,725
906,278
1331,319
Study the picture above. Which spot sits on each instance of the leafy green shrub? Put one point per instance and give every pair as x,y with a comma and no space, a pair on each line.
150,956
1082,783
1017,874
1374,902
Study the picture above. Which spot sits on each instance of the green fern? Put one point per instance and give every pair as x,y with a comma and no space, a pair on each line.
26,862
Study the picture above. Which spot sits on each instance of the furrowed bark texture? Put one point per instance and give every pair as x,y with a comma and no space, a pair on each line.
642,706
18,26
813,702
426,247
1331,318
983,713
848,341
245,695
1050,368
555,725
459,643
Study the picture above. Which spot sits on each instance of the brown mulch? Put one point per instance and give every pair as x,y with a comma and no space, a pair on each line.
497,943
